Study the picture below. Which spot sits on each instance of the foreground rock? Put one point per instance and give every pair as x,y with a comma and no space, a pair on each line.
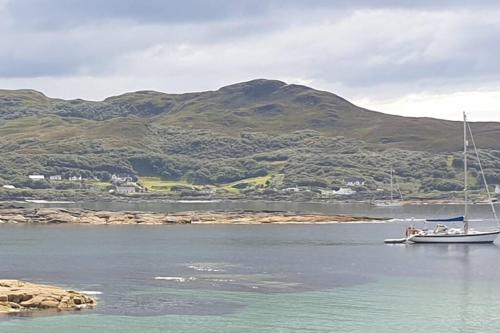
60,215
18,296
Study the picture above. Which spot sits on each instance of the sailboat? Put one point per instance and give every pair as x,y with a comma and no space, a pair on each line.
443,234
392,202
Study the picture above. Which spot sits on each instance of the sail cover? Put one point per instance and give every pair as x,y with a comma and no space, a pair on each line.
453,219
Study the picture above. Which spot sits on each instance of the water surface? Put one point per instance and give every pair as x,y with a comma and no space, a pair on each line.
256,278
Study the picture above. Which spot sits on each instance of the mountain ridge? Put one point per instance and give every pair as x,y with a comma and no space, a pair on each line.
280,134
261,105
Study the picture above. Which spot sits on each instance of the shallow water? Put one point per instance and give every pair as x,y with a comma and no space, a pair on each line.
255,278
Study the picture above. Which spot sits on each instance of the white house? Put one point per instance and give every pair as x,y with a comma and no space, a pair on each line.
497,190
75,178
327,193
354,181
119,179
10,187
125,189
36,177
345,191
207,190
291,189
55,177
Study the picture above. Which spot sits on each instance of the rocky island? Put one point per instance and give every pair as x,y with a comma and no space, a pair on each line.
86,216
19,296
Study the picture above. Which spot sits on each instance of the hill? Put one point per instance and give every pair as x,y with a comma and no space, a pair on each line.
291,134
265,106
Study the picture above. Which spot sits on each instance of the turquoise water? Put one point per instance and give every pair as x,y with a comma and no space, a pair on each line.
390,306
260,278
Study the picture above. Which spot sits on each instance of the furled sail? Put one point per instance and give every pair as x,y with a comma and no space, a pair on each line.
453,219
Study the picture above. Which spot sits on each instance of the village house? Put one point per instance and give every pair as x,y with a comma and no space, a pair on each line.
345,191
126,188
55,177
497,189
341,191
10,187
207,190
291,189
75,178
327,193
36,177
120,179
354,181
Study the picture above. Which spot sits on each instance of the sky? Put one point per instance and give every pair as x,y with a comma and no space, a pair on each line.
412,58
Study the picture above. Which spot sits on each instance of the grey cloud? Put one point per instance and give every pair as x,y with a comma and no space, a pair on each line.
99,50
50,14
219,41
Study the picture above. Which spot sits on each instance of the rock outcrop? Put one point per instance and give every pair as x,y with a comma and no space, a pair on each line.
17,296
84,216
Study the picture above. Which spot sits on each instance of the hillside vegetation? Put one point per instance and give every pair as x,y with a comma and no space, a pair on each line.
257,134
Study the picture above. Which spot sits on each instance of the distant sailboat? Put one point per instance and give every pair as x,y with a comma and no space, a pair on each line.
392,202
443,234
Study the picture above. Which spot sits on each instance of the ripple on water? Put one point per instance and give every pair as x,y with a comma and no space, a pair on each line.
260,283
175,278
214,266
90,292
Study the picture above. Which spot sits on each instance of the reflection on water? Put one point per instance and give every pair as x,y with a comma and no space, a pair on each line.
448,251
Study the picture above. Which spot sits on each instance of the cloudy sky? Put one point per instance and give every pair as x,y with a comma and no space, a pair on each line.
420,58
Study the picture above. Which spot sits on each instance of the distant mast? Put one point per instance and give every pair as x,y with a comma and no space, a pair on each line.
466,189
392,188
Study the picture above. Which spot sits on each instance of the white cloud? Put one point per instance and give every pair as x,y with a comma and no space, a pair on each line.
479,105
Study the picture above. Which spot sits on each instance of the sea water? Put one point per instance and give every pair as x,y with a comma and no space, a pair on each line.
254,278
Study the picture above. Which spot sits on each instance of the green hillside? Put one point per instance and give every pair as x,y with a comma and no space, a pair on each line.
286,134
265,106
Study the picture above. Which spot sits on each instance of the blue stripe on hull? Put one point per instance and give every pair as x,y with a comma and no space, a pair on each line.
453,219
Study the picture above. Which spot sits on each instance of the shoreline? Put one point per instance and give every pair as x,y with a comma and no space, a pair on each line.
19,215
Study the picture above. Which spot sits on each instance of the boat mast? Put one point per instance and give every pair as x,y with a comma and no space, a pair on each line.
466,198
392,187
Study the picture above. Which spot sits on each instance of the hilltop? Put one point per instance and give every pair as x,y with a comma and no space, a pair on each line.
268,132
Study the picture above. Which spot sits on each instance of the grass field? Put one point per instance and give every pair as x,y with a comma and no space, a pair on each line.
157,184
252,181
256,181
103,186
449,161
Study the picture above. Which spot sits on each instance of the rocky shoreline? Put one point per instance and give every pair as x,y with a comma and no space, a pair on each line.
84,216
19,296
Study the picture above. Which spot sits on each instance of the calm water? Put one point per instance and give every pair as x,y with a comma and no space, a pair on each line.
364,209
260,278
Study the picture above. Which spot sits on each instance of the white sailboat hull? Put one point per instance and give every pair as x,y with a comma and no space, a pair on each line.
475,237
441,234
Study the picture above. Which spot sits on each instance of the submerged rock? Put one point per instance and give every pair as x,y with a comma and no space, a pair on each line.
17,296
